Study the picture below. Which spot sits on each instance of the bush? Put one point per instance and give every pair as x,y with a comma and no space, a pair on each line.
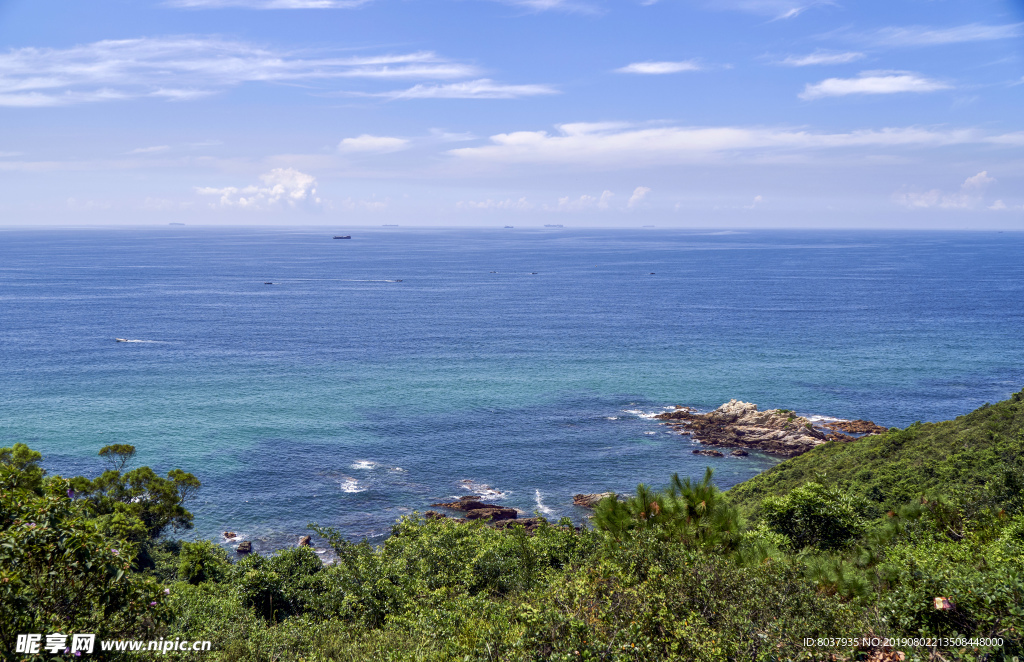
202,561
816,516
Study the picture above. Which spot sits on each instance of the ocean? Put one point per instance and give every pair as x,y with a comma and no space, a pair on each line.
351,382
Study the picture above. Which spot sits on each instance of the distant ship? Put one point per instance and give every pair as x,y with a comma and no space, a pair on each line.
648,226
508,227
176,224
390,225
346,236
551,225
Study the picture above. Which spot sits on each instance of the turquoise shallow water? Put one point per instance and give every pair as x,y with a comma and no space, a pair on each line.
342,396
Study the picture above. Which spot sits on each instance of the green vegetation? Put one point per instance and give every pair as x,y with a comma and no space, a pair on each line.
854,539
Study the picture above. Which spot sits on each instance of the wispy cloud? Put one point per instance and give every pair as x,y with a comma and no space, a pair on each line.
776,9
372,144
919,35
483,88
969,196
659,67
185,68
617,145
522,204
282,188
820,57
872,82
150,150
268,4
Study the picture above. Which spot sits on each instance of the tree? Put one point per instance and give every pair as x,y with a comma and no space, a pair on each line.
60,572
694,513
118,455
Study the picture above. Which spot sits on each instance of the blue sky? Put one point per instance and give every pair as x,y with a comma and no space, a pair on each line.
673,113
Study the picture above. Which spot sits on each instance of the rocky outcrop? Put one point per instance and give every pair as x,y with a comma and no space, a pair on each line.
856,427
590,500
244,547
305,541
739,452
708,453
739,424
476,509
466,504
494,514
230,534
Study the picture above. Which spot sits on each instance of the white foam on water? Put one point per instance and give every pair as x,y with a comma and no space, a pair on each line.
398,469
482,489
540,505
612,418
650,432
639,413
364,464
351,486
824,419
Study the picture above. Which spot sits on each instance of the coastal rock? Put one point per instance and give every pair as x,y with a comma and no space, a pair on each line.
244,547
857,427
466,503
708,453
305,541
590,500
433,514
739,453
230,534
494,513
738,424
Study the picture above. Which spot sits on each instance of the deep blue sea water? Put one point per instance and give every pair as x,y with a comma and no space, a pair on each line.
342,396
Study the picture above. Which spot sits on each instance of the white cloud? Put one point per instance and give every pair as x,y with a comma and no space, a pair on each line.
639,193
372,144
820,57
969,196
268,4
659,67
777,9
475,89
282,188
621,145
754,203
872,82
150,150
185,68
919,35
584,202
489,205
998,205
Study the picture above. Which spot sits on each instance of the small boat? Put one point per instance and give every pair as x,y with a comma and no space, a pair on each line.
121,339
347,236
509,227
553,225
269,282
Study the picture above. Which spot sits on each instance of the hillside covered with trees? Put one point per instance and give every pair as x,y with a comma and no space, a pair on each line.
915,534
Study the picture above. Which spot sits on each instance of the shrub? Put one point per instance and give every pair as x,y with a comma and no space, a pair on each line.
815,515
202,561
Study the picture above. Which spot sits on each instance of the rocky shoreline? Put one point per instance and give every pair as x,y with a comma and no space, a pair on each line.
736,427
740,425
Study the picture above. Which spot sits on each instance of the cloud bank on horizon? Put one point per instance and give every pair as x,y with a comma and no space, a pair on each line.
824,113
